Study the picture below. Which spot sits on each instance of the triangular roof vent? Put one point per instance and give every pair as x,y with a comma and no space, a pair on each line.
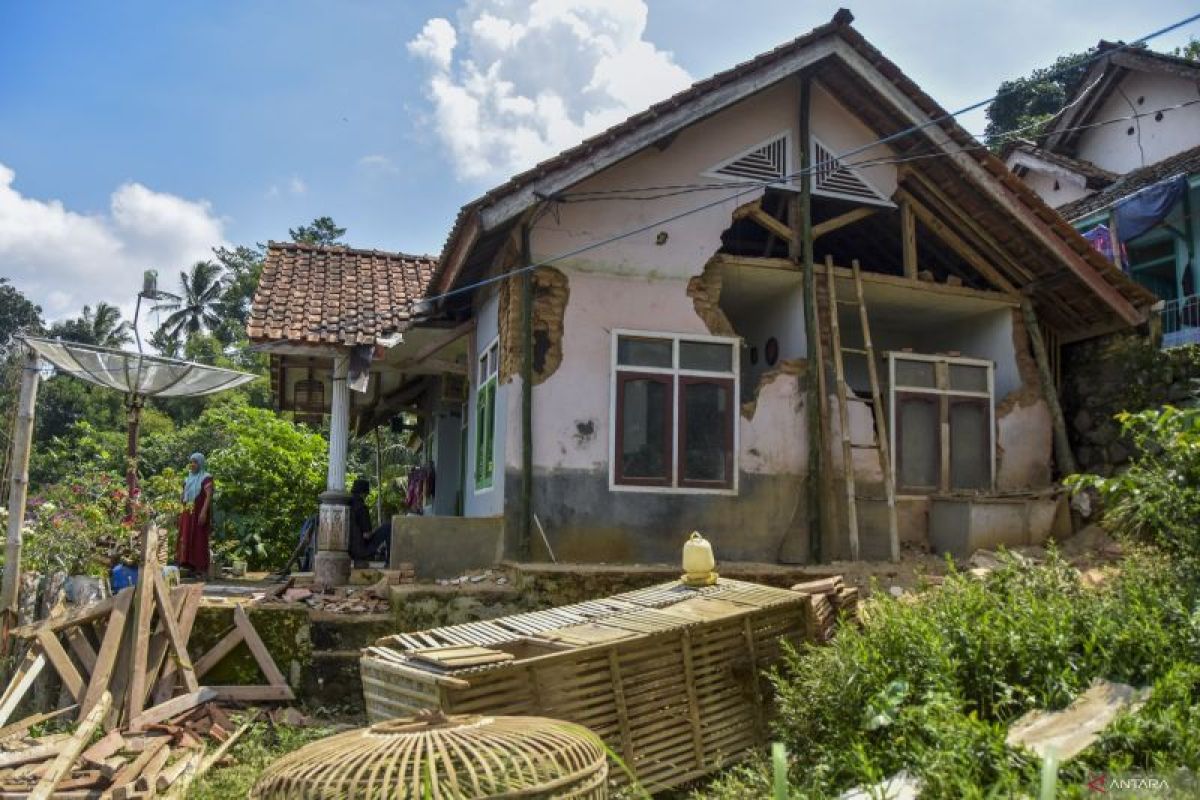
833,179
765,161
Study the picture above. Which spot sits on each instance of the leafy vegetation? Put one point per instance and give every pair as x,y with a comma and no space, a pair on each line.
262,744
930,687
1158,497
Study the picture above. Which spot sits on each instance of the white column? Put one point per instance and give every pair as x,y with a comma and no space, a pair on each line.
339,425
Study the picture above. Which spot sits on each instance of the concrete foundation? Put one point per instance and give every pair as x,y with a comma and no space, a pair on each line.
444,547
962,525
331,564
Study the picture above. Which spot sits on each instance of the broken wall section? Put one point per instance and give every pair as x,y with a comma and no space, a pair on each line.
551,293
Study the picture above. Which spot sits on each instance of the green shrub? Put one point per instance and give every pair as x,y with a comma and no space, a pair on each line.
930,687
1157,498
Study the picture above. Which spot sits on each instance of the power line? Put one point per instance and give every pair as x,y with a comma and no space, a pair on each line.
786,179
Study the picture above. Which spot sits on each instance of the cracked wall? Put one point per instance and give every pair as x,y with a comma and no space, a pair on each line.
551,292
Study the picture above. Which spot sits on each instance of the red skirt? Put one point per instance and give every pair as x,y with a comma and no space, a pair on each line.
192,550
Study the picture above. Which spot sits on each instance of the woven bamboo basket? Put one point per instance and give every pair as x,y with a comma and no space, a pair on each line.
434,757
671,677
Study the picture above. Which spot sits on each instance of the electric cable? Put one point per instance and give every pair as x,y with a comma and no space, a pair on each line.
787,179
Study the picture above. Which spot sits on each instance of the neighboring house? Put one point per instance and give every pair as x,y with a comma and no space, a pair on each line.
1124,157
656,373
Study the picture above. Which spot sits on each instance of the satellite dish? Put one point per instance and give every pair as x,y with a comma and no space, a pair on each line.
136,375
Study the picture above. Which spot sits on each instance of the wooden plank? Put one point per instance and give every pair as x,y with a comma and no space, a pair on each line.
133,770
955,242
881,432
62,663
843,413
109,649
29,755
187,619
159,641
82,648
252,694
178,641
1005,197
842,220
23,678
1062,444
257,648
69,753
74,617
949,207
173,707
17,729
219,650
908,239
143,611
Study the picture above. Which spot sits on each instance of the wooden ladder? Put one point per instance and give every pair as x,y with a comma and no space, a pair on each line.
845,396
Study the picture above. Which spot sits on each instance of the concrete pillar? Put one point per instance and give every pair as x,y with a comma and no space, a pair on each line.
331,565
339,425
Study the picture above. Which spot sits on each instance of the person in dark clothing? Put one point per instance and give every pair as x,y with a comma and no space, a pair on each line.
366,542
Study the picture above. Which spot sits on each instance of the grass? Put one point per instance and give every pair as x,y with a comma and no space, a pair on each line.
930,687
262,744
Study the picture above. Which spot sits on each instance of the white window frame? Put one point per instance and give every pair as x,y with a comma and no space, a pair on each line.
675,372
482,379
989,396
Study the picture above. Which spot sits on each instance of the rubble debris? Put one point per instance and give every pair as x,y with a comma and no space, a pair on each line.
1069,732
123,763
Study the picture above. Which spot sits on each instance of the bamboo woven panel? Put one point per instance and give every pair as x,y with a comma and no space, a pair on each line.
669,676
438,758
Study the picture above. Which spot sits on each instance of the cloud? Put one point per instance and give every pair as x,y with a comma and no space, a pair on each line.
378,164
511,84
63,259
296,185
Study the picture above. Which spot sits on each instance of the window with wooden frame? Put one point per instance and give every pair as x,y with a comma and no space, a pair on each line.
674,413
943,419
487,369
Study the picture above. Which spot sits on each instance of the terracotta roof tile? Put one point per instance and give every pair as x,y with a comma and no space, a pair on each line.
1187,162
334,294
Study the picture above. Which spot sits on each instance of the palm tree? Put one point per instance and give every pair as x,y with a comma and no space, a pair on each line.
195,309
102,326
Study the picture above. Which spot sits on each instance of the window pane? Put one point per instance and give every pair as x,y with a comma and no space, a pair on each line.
968,379
637,352
711,356
970,446
644,429
483,373
491,361
706,433
917,446
915,373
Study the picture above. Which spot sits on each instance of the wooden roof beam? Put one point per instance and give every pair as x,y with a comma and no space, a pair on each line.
990,185
943,231
842,220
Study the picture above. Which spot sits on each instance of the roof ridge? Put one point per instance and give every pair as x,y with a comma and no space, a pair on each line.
345,248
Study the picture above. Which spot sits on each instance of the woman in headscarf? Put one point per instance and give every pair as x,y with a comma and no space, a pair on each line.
195,522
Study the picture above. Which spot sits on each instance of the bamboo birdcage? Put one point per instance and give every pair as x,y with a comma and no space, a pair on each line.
671,677
434,757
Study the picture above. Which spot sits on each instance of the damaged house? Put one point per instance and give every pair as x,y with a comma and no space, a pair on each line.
794,307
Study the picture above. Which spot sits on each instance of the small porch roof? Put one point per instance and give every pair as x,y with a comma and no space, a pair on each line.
334,295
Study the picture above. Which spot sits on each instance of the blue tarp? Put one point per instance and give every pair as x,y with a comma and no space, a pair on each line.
1140,212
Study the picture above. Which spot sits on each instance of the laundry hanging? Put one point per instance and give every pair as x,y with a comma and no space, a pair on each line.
1143,210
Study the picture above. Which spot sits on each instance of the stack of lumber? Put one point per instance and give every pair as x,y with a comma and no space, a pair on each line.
125,663
165,758
133,646
829,599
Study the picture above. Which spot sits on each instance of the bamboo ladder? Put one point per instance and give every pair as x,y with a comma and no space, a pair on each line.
845,396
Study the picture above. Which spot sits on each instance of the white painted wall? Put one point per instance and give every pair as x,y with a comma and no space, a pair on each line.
693,239
1053,189
1111,147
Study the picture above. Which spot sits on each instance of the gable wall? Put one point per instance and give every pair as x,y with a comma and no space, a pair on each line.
1111,147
